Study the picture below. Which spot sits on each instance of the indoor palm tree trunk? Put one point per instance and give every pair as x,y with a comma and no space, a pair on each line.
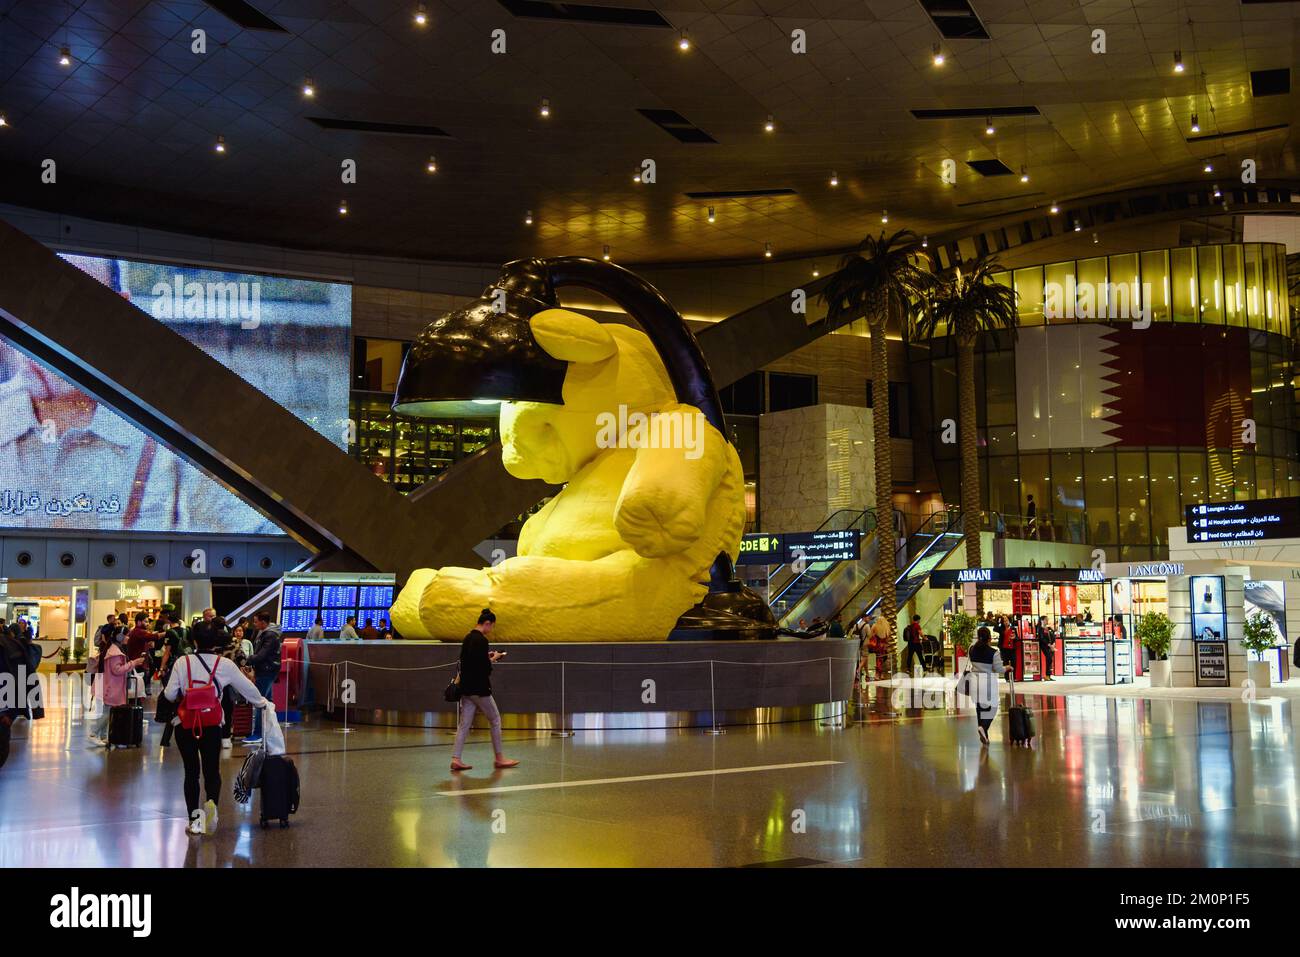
885,567
967,438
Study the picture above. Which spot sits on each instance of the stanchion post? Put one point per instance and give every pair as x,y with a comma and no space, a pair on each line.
565,731
345,729
713,705
832,721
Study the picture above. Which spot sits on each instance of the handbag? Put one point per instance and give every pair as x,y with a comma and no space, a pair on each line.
452,691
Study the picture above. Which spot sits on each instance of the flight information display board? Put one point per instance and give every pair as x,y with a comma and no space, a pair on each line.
334,597
769,548
1253,521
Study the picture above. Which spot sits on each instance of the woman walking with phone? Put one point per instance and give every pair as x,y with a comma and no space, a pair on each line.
476,690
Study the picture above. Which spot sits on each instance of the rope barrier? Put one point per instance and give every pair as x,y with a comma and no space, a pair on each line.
566,662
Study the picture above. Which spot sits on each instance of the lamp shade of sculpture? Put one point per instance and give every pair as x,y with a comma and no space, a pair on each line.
653,496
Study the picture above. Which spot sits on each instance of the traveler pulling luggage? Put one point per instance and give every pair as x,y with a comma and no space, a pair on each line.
1021,721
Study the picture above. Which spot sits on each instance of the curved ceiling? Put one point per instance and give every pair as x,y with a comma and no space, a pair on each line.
132,121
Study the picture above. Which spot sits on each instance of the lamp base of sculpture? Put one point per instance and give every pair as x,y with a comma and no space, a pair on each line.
737,613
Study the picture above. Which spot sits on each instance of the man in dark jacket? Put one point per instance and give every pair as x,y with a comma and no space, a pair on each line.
265,662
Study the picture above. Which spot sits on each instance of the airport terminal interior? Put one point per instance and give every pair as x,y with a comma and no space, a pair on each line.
649,433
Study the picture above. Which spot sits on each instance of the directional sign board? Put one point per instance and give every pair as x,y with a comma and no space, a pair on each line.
767,548
1233,522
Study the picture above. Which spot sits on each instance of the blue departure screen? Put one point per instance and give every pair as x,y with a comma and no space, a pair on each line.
297,619
376,596
339,596
301,596
332,619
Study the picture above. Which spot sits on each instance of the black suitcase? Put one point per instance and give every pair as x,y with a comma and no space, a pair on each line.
126,726
279,785
1021,720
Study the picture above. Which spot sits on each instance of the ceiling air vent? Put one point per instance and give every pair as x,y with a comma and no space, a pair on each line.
584,13
677,126
1270,82
955,19
1246,132
975,112
245,14
382,129
991,167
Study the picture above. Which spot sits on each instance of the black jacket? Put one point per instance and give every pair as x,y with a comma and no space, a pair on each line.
266,653
475,667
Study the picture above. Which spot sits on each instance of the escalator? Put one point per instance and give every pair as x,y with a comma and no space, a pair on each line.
787,585
851,589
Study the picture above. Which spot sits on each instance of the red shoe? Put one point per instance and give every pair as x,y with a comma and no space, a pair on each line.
507,763
459,766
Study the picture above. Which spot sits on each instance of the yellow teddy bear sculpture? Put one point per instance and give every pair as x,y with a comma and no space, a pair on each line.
653,493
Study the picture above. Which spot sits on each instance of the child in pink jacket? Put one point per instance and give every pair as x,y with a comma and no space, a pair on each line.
110,669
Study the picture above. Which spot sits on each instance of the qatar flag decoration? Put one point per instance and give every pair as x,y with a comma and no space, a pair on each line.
1092,385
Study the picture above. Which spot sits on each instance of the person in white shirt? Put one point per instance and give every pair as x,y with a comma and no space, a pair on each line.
203,751
349,630
317,631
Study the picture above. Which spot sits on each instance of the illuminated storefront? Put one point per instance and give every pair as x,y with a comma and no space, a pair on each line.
1123,397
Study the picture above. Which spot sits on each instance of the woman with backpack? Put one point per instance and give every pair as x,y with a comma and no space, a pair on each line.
196,685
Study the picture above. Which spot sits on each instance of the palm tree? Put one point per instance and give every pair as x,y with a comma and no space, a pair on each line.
879,281
965,304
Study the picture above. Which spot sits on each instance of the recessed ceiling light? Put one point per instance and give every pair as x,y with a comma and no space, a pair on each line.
1209,167
770,125
528,219
605,254
767,250
816,272
1196,123
1054,209
545,108
1024,174
684,43
884,215
938,55
835,178
421,15
989,128
431,166
65,56
1178,61
343,207
220,145
925,242
308,88
1095,240
711,217
636,177
1217,194
1077,227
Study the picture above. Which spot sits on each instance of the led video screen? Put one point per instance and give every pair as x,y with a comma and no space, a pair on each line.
67,462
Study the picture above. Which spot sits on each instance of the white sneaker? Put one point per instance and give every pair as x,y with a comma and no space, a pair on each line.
196,823
227,744
210,817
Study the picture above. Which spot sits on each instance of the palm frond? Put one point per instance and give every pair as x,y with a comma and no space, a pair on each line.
965,302
883,269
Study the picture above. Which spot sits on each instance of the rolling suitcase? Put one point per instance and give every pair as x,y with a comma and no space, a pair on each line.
1021,720
126,726
279,786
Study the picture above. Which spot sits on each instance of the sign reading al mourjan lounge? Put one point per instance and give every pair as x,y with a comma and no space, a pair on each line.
1244,522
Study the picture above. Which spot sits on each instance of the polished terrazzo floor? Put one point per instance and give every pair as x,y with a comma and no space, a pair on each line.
1111,782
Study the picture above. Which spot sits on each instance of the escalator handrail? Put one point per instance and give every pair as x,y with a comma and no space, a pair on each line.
907,572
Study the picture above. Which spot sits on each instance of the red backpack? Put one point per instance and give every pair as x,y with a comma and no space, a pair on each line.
200,705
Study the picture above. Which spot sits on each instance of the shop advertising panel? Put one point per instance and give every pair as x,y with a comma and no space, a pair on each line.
1210,630
68,462
1269,597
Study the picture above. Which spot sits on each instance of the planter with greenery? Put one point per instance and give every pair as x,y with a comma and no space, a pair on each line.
961,628
64,663
1156,633
1259,635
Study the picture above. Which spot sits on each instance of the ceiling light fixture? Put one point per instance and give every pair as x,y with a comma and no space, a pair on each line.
220,144
767,250
546,107
1209,167
431,166
3,121
684,43
65,56
528,219
884,215
1054,209
989,128
711,214
816,272
1217,194
343,207
770,125
308,88
925,242
1024,174
1178,61
1077,227
421,15
605,254
1095,240
938,55
1196,123
835,178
